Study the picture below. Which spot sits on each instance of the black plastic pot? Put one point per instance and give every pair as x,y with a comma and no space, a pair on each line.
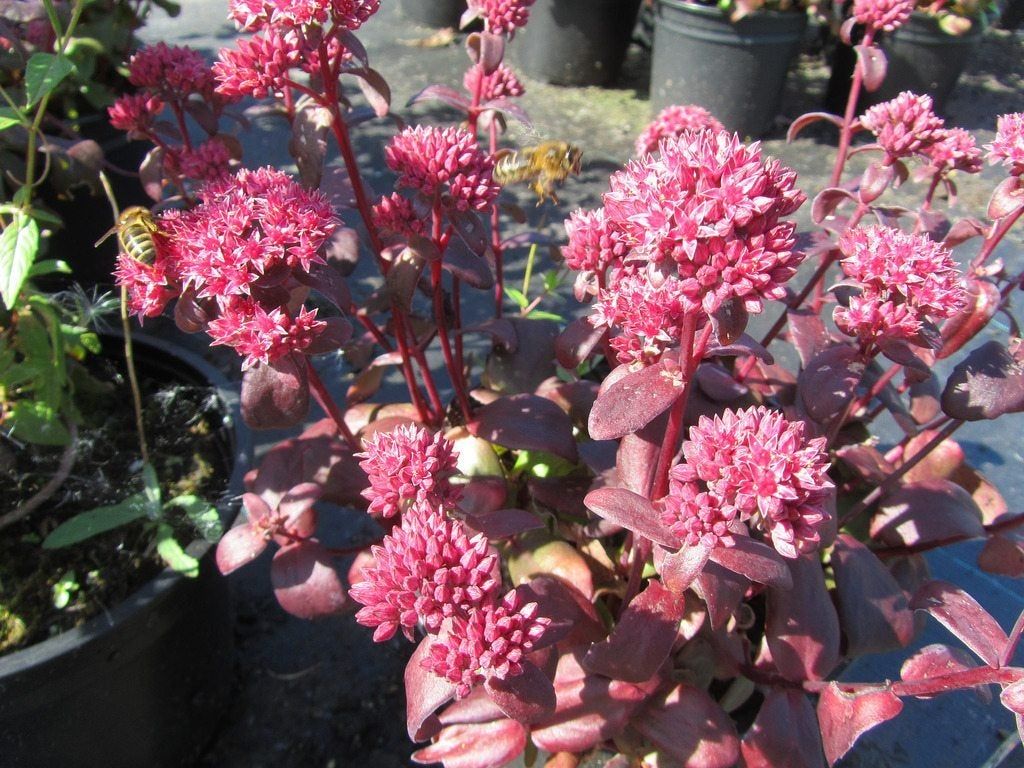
433,13
575,42
145,684
736,70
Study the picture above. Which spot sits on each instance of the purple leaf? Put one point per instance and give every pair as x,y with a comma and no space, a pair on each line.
308,143
807,333
444,93
1012,697
642,639
501,330
1003,556
744,345
927,511
718,384
936,660
729,321
874,181
964,230
328,282
526,698
485,49
470,229
827,201
590,708
634,400
151,174
757,561
633,512
811,117
276,395
844,717
566,606
722,591
510,108
504,523
526,422
530,363
964,617
829,380
332,338
989,383
475,745
577,342
374,87
1006,198
867,461
873,65
680,569
475,708
306,583
983,300
637,456
873,608
239,546
785,733
470,268
189,314
690,727
425,693
802,628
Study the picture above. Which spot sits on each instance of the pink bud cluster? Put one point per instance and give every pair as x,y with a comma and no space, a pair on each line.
135,113
502,17
882,15
445,163
210,161
750,466
502,83
671,122
260,66
1008,146
905,281
170,72
236,258
903,125
255,15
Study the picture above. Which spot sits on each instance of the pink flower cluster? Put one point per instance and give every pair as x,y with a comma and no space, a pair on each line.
671,122
750,466
502,17
594,245
237,255
882,15
954,149
395,215
1008,146
445,162
904,125
405,466
502,83
260,66
135,114
210,161
905,281
170,72
255,15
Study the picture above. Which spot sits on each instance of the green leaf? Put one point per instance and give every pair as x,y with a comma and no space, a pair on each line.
171,552
516,296
539,314
96,521
10,118
34,421
91,342
552,279
43,73
151,492
65,587
203,516
48,267
19,244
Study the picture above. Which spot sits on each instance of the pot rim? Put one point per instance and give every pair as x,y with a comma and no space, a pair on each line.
152,592
715,11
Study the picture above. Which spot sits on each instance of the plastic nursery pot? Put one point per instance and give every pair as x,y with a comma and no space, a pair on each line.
575,42
145,684
433,13
735,70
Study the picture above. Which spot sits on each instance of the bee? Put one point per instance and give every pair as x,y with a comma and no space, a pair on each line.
543,166
136,229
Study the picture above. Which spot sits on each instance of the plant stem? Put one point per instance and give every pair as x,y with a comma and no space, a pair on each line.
330,407
998,233
1005,524
846,133
67,462
1018,628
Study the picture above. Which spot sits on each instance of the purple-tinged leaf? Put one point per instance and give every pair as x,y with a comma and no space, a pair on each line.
485,49
444,93
873,65
510,108
802,628
504,523
576,398
634,400
353,45
873,609
590,708
633,512
483,495
1012,697
642,639
637,456
987,384
899,351
962,231
828,381
1006,198
475,745
337,185
678,570
744,345
566,606
189,313
807,333
758,562
927,511
526,698
845,717
276,395
365,384
374,87
827,201
936,660
1003,556
308,142
811,117
470,229
472,269
151,174
730,321
961,614
539,555
576,343
530,363
526,422
924,399
982,302
500,329
722,591
333,337
688,726
477,707
874,181
239,546
425,693
785,733
718,384
867,461
329,283
306,583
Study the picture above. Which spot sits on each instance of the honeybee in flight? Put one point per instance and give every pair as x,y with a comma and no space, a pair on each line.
135,229
543,166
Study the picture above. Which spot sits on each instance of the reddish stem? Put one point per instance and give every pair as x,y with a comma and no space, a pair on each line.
330,407
1005,524
846,133
998,233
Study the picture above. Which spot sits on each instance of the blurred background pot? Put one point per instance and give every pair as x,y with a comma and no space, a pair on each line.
433,13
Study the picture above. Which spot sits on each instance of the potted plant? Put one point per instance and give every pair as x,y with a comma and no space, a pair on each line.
91,620
640,539
730,58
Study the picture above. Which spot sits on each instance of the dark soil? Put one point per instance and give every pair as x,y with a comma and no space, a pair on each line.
186,446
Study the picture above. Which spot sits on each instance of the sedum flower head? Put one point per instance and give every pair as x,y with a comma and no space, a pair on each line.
260,66
502,83
255,15
954,149
882,15
671,122
502,17
709,209
1008,146
426,570
491,641
210,161
444,160
135,113
695,516
905,280
150,286
594,244
408,465
762,466
260,335
395,215
903,125
171,72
